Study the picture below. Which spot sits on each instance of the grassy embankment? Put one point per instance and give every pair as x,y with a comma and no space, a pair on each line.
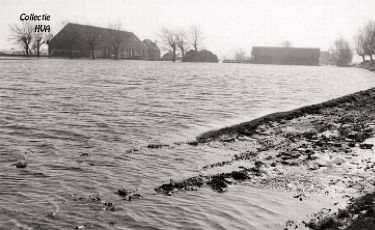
367,65
322,148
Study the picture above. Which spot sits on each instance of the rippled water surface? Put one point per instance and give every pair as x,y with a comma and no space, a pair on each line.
77,119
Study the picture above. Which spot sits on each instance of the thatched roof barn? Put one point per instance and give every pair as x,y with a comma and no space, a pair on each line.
74,41
285,55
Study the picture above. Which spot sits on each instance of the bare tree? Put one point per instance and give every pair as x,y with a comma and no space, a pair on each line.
369,31
196,37
38,41
182,45
116,37
239,55
41,38
47,38
91,37
23,34
360,44
342,52
170,39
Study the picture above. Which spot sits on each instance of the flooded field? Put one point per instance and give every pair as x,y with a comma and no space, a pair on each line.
77,123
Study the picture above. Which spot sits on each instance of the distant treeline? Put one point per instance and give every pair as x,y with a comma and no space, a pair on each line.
365,41
184,44
26,35
364,46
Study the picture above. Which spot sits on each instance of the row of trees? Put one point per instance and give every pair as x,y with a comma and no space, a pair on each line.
341,54
181,39
364,45
365,41
25,35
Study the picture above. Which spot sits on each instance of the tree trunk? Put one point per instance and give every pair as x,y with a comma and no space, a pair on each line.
182,51
116,52
92,53
195,47
49,49
363,58
37,49
372,59
27,49
174,54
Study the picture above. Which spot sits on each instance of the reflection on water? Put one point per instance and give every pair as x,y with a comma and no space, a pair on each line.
79,118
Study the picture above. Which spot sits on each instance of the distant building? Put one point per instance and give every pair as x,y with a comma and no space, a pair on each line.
71,41
285,55
153,51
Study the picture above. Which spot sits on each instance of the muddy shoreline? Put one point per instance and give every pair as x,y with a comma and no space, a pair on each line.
326,148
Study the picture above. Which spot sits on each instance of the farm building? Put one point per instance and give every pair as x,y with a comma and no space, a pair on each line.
153,51
76,40
285,55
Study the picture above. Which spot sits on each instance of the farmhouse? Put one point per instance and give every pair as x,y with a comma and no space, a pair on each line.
76,40
285,55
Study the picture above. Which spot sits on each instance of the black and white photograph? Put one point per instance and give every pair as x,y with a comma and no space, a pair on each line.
187,114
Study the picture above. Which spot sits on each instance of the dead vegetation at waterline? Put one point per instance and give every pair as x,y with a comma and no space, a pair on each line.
359,214
303,137
218,182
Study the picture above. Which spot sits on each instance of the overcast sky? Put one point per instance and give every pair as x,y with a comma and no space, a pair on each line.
227,24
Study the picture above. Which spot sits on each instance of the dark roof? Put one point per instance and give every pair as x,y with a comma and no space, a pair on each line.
271,51
78,32
285,55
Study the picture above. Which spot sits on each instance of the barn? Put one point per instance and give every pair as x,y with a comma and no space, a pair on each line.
75,40
285,55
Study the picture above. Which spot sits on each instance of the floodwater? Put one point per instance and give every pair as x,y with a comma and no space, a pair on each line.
74,122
